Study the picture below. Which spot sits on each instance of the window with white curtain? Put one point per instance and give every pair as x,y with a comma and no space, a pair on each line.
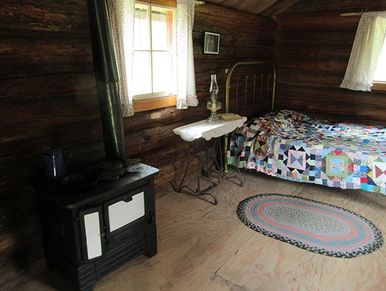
153,42
380,73
366,67
154,53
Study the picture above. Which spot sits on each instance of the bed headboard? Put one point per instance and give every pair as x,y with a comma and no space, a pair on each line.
250,88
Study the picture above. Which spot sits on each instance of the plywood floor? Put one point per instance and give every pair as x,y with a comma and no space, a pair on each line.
205,247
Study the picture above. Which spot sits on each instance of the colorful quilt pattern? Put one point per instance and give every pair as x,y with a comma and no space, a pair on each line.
293,146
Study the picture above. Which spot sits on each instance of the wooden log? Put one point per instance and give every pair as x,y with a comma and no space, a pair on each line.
153,138
339,37
279,7
338,6
336,95
46,51
311,51
304,78
317,21
217,16
235,53
162,117
344,111
44,15
326,65
333,101
46,87
20,33
37,69
235,37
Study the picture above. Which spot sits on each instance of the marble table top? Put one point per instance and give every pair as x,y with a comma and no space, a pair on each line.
208,130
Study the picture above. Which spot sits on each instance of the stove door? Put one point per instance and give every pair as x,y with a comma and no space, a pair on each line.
127,209
91,227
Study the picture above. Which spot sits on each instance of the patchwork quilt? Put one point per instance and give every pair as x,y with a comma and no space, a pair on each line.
293,146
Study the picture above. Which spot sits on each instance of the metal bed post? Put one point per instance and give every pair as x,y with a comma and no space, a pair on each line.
227,96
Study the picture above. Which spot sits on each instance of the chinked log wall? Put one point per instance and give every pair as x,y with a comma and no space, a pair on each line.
48,100
312,52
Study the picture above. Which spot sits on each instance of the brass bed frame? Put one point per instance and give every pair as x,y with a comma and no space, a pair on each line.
255,85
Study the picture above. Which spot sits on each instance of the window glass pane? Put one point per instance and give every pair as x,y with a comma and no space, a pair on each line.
162,28
163,73
141,27
153,68
141,73
380,75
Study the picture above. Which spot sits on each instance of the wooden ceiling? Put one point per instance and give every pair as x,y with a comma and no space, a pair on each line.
263,7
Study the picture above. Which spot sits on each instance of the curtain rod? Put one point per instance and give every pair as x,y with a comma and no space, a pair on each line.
354,13
351,14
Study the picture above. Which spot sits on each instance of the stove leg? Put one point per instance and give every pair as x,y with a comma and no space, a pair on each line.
151,251
88,288
151,244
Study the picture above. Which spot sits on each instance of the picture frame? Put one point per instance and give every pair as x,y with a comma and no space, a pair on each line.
211,43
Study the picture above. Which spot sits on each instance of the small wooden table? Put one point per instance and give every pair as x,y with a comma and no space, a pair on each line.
202,131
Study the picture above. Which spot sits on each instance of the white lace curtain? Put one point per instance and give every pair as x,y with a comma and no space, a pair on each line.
366,51
122,25
186,86
121,14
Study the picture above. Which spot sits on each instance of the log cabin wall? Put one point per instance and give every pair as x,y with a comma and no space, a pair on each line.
48,100
312,52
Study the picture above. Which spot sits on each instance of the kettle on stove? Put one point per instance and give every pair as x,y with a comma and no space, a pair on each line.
55,164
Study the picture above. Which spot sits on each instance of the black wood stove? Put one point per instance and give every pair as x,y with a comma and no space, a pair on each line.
87,234
89,231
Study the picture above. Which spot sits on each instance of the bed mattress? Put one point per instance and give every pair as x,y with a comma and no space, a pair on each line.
296,147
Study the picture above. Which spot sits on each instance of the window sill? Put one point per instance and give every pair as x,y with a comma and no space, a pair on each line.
167,3
379,86
154,103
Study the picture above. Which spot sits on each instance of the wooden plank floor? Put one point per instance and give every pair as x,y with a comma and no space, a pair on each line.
205,247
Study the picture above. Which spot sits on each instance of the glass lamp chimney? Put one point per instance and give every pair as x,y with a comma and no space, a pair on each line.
213,105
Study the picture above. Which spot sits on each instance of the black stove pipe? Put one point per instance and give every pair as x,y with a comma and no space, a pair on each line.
107,79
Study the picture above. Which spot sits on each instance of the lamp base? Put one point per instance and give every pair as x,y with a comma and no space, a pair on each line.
213,117
213,105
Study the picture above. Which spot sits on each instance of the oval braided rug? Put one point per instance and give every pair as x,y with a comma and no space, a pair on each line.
311,225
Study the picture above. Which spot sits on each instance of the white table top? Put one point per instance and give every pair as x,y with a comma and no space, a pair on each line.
208,130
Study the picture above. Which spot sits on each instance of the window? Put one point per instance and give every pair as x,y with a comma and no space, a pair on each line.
154,56
380,74
365,65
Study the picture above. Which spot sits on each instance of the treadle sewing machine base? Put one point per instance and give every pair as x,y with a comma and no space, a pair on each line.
197,134
212,169
197,148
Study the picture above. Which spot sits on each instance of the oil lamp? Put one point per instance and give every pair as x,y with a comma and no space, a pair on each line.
213,105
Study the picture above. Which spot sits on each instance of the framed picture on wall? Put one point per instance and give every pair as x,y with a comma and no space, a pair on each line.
211,43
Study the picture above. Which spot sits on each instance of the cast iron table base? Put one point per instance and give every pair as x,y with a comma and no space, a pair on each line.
214,170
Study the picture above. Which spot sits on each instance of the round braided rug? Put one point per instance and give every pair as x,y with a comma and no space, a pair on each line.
311,225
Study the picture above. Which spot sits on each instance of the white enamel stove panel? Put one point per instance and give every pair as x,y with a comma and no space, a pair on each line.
122,213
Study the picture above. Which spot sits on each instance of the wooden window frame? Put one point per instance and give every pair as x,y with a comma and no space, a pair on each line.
166,3
379,86
153,103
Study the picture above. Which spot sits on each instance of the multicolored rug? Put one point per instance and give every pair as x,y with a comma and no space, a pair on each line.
311,225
